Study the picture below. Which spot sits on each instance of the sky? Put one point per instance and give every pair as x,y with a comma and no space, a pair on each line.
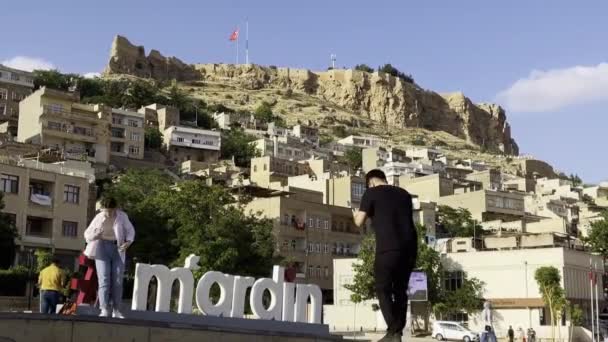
545,62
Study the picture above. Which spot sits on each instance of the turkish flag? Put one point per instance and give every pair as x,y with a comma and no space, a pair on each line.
235,35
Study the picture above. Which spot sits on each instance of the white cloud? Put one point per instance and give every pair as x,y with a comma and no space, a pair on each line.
28,63
91,75
544,91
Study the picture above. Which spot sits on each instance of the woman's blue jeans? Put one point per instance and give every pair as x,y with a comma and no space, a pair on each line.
110,269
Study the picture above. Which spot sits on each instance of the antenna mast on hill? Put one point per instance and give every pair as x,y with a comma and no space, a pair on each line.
333,60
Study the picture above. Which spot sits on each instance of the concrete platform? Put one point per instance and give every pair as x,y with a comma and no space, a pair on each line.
24,327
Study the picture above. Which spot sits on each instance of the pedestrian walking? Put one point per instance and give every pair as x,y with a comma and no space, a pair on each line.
511,334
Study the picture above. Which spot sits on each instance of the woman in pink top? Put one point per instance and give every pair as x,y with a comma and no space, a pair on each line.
108,237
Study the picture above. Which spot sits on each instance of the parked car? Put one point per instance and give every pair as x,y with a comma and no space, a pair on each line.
447,330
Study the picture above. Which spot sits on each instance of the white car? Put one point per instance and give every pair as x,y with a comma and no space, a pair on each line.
447,330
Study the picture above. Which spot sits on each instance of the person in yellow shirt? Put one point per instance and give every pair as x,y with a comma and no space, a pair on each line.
50,282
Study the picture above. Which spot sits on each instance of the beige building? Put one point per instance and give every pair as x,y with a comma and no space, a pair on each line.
56,119
160,116
533,168
270,171
15,85
310,234
432,187
510,285
186,143
490,179
341,190
49,206
127,134
306,134
487,205
283,147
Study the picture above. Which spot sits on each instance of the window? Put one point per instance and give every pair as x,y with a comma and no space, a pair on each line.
255,168
3,94
180,139
83,131
311,247
357,190
318,223
318,248
133,150
133,123
265,167
135,136
118,132
452,280
326,249
318,271
326,224
285,219
53,125
14,77
311,271
55,108
285,244
2,109
293,245
326,272
70,229
196,141
71,194
9,183
311,223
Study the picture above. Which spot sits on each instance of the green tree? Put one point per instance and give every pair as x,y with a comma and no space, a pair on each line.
598,235
153,138
140,194
467,298
238,144
52,79
458,222
549,282
43,259
364,67
263,112
576,180
210,223
391,70
576,317
178,98
8,234
362,287
353,158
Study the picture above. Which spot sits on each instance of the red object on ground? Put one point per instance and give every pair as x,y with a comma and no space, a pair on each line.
87,285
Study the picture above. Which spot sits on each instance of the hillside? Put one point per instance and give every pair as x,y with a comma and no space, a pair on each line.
362,102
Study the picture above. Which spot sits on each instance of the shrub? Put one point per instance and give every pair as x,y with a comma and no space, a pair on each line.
364,67
13,281
419,141
391,70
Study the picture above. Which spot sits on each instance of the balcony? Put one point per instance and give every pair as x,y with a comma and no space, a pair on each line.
118,133
71,133
71,115
41,195
38,230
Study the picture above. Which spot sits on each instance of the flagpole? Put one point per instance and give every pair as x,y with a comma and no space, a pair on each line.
247,41
237,46
592,304
597,303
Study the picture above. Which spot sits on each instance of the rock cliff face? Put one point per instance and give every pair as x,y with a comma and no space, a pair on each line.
378,96
126,58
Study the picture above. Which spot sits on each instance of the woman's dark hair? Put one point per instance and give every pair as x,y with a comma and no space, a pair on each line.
108,202
375,173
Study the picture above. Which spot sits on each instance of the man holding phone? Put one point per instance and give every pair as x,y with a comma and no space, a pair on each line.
391,211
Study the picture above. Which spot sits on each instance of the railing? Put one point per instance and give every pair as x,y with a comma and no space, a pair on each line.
73,130
68,113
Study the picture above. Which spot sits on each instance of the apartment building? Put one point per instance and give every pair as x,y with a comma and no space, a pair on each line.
56,119
284,148
363,141
186,143
310,234
306,134
229,120
15,85
432,187
490,179
127,134
49,206
487,205
160,116
533,168
268,170
340,189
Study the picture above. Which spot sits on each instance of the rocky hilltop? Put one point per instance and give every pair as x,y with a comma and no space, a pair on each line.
378,96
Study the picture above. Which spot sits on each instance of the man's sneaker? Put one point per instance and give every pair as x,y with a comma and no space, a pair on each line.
117,314
104,313
390,337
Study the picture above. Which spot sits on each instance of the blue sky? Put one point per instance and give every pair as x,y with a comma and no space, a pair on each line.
540,60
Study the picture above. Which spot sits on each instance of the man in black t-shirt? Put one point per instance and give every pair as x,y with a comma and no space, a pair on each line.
390,209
